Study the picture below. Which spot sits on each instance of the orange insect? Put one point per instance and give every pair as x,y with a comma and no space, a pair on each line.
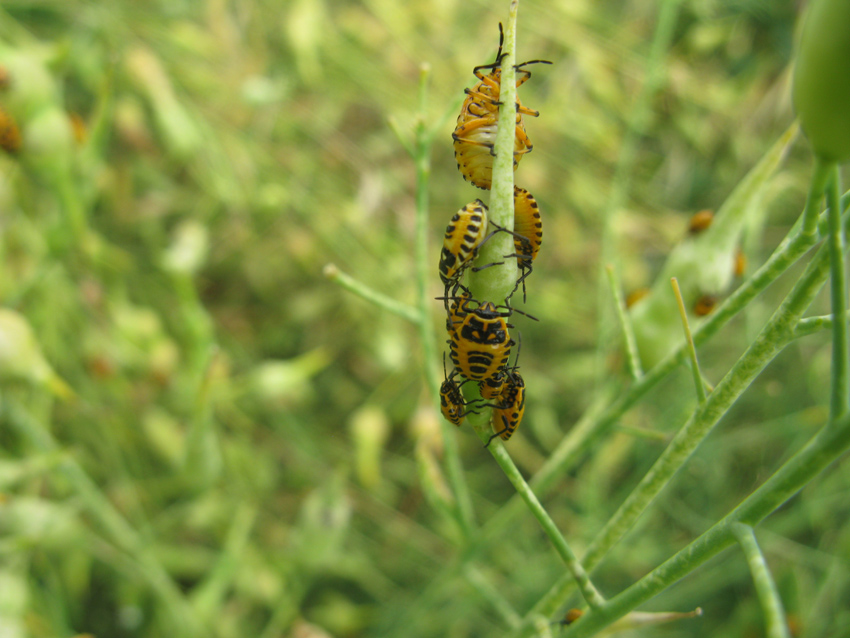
491,387
10,135
509,411
700,221
464,235
528,233
451,400
475,134
705,305
481,345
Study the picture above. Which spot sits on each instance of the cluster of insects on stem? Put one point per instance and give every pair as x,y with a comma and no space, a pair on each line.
478,331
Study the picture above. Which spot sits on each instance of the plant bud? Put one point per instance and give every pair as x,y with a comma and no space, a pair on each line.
822,79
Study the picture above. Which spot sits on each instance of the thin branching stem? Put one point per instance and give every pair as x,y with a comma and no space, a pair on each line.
776,334
811,325
496,283
840,381
423,138
823,449
588,590
766,590
689,341
639,118
371,295
629,343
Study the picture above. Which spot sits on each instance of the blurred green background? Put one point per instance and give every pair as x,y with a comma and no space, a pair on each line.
219,441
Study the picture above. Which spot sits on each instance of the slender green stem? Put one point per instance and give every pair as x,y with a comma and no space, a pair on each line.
496,283
639,118
689,341
590,593
424,270
766,590
788,253
370,294
823,449
840,380
424,265
817,183
629,343
774,336
811,325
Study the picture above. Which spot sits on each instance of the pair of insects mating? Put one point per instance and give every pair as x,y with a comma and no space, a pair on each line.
480,347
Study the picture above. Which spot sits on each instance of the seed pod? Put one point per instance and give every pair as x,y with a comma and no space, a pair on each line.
821,88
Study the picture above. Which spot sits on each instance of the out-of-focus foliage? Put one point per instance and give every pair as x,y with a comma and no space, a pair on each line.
250,431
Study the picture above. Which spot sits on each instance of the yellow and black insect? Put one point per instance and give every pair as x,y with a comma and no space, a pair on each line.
511,406
10,134
491,387
475,134
457,307
451,400
464,235
528,227
528,233
481,346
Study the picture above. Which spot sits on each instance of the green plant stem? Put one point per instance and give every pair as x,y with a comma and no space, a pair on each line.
629,343
777,333
496,283
817,183
578,442
831,442
423,138
420,152
607,410
590,593
424,266
689,341
768,595
639,118
371,295
811,325
840,381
